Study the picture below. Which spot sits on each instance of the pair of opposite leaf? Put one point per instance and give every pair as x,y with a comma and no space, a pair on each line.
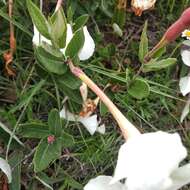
147,162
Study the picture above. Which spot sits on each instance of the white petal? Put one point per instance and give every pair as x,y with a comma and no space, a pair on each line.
38,38
90,123
101,129
185,111
89,46
5,167
84,91
185,54
68,37
148,160
65,114
180,177
102,183
184,85
143,5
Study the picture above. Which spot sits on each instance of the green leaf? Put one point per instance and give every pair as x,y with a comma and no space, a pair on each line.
143,46
27,97
51,50
139,89
154,65
74,95
38,19
34,130
70,13
159,52
75,44
103,109
105,8
7,130
54,123
50,62
15,162
69,80
46,153
119,16
59,28
67,140
80,22
73,183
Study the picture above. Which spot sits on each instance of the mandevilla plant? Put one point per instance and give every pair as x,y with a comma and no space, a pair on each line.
147,161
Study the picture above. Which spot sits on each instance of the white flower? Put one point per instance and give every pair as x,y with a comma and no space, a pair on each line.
89,46
86,51
186,33
38,38
103,183
91,123
141,5
185,111
5,167
148,162
185,55
184,85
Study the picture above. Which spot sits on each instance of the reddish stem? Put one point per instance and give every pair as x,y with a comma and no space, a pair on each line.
59,4
173,32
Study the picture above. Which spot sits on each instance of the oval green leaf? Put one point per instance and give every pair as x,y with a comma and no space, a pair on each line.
38,19
50,62
139,89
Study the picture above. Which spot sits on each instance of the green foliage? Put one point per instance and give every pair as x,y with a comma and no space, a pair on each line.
139,89
155,65
15,162
50,62
38,19
58,28
54,123
80,22
46,153
75,44
143,46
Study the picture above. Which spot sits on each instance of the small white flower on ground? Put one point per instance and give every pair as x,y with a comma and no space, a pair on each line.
185,111
103,183
5,167
38,38
89,46
86,51
186,34
185,55
184,85
139,6
91,123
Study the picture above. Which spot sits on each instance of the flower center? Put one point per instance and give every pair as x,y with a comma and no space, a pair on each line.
187,33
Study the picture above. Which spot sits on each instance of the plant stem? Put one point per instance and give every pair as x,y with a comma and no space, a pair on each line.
59,3
127,128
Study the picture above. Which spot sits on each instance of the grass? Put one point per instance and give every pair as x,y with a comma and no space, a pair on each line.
23,100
